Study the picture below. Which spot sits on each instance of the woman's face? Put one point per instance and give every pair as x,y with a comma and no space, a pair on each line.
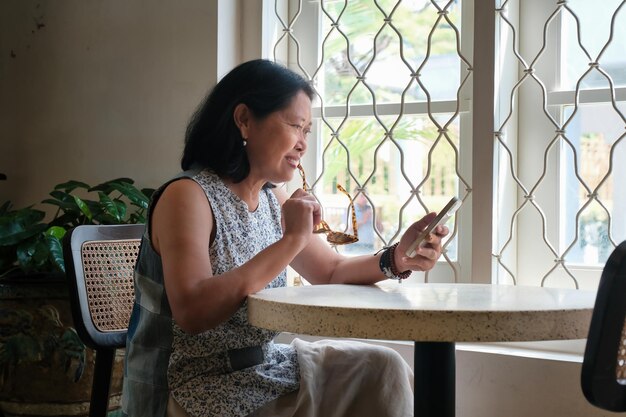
277,142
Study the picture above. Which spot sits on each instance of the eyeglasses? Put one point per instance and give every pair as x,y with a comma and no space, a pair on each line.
333,237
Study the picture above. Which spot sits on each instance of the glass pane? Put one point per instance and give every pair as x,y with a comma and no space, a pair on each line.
595,27
362,42
380,175
595,132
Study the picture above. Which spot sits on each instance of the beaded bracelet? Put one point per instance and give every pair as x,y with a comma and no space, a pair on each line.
388,267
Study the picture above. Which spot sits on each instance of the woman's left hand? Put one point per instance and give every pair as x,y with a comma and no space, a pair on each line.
427,252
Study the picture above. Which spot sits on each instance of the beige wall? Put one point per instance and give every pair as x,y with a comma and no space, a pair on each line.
92,90
495,385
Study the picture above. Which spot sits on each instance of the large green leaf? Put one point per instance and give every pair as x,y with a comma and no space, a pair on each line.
111,207
71,185
17,235
94,205
19,225
83,207
55,251
25,216
56,231
65,220
108,186
121,207
135,196
61,196
65,206
33,254
63,200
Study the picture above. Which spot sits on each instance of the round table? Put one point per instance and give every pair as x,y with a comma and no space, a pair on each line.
434,316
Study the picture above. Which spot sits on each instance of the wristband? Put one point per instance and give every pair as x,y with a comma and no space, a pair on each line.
388,266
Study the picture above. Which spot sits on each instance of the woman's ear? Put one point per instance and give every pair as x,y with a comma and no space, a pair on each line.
242,117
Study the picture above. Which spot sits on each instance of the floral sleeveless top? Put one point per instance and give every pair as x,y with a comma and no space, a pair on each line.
230,370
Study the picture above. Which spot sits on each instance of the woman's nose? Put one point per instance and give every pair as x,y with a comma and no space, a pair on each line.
301,145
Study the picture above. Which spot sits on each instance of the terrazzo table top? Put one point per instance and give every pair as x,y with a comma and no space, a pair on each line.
425,312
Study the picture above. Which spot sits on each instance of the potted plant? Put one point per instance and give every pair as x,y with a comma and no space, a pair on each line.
44,367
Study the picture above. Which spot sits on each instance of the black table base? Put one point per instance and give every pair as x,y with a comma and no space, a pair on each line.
435,379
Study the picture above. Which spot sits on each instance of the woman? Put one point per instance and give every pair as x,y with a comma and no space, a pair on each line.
220,231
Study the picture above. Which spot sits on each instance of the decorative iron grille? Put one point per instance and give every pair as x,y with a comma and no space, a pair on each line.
388,125
393,82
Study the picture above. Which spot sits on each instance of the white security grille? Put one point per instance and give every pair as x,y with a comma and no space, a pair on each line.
395,85
388,122
558,139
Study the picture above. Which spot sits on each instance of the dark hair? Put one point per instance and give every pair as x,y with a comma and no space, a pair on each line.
213,140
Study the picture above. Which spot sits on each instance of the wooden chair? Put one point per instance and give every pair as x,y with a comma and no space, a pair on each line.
603,376
99,264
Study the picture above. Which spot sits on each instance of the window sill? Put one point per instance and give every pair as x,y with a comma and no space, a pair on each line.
557,350
554,350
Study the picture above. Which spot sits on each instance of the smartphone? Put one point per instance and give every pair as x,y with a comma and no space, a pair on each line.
441,218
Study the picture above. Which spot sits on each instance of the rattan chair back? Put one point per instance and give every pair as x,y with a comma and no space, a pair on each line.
108,272
101,261
603,376
99,264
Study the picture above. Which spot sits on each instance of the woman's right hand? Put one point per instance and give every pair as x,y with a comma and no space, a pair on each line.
301,212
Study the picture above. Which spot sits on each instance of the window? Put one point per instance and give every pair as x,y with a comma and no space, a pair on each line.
388,121
394,125
596,128
564,137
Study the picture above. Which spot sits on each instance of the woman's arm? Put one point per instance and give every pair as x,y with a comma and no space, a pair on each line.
182,225
318,263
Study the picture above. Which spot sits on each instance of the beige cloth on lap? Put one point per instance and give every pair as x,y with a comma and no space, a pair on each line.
345,379
341,379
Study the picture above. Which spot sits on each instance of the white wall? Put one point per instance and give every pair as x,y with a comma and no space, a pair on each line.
92,90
